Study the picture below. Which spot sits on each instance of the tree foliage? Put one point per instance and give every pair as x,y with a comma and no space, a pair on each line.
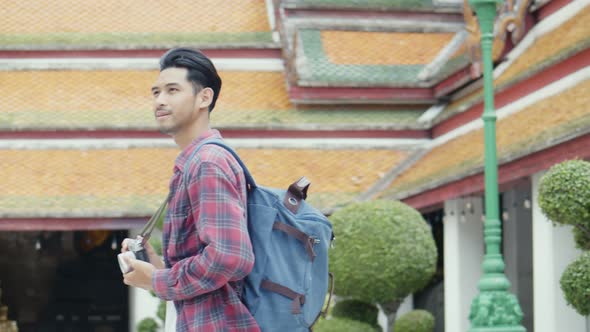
581,238
342,325
415,321
147,325
575,284
564,193
356,310
384,251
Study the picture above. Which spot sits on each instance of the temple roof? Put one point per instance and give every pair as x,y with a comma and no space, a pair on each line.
68,24
120,99
545,123
344,66
372,59
132,181
552,47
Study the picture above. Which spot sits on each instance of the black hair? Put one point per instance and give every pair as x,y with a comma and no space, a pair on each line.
201,71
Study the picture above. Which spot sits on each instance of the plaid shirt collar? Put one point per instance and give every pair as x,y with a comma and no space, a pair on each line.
183,156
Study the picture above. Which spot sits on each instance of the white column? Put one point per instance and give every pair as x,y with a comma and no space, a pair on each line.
464,250
553,250
406,306
141,305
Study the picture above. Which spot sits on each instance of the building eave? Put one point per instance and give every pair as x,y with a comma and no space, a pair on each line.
515,90
508,172
51,223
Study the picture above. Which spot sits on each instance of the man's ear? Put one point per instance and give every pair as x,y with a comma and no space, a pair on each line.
206,98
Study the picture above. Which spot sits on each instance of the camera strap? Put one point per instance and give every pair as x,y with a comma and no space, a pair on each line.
146,232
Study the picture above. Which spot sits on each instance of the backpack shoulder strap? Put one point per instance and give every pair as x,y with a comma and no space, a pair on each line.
249,179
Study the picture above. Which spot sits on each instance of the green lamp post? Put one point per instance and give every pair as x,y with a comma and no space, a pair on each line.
494,309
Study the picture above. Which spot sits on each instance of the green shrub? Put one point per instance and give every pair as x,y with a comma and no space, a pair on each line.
356,310
342,325
384,251
147,325
582,239
575,284
161,313
564,193
415,321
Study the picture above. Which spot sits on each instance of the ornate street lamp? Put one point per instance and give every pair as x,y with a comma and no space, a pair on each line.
494,309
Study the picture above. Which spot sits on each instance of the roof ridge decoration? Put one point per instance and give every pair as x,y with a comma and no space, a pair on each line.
518,66
511,19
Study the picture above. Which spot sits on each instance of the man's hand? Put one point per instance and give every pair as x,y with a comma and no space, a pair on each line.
140,275
154,258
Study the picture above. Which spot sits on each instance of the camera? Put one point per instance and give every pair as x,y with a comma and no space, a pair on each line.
136,251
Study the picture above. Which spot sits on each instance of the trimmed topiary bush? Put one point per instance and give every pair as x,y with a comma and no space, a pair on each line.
581,238
161,313
384,252
342,325
415,321
564,193
356,310
147,325
575,284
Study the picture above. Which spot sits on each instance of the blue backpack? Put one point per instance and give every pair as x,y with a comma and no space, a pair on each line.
287,287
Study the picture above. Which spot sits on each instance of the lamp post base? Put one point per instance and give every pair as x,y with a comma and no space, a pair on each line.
495,311
498,329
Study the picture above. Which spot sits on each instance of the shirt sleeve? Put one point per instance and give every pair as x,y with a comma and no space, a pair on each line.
219,211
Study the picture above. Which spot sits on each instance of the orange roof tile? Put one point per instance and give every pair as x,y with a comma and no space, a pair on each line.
517,133
120,98
383,48
551,44
134,180
174,16
129,90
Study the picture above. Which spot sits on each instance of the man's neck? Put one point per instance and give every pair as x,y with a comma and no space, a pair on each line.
185,138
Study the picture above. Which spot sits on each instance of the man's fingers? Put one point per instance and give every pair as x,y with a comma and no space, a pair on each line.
131,262
128,277
125,245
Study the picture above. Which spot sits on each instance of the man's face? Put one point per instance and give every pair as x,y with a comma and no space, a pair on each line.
175,101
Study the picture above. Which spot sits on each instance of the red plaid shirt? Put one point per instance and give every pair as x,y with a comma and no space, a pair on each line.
206,245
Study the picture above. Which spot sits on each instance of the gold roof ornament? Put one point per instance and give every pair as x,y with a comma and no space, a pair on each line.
511,19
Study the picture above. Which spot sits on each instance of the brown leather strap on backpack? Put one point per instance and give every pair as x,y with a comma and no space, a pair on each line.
307,240
324,312
298,299
296,193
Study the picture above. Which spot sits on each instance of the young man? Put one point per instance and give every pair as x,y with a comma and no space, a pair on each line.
206,247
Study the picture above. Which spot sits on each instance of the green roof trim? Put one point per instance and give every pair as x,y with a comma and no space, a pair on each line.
142,119
452,66
542,140
369,4
318,70
530,71
78,40
322,70
81,206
